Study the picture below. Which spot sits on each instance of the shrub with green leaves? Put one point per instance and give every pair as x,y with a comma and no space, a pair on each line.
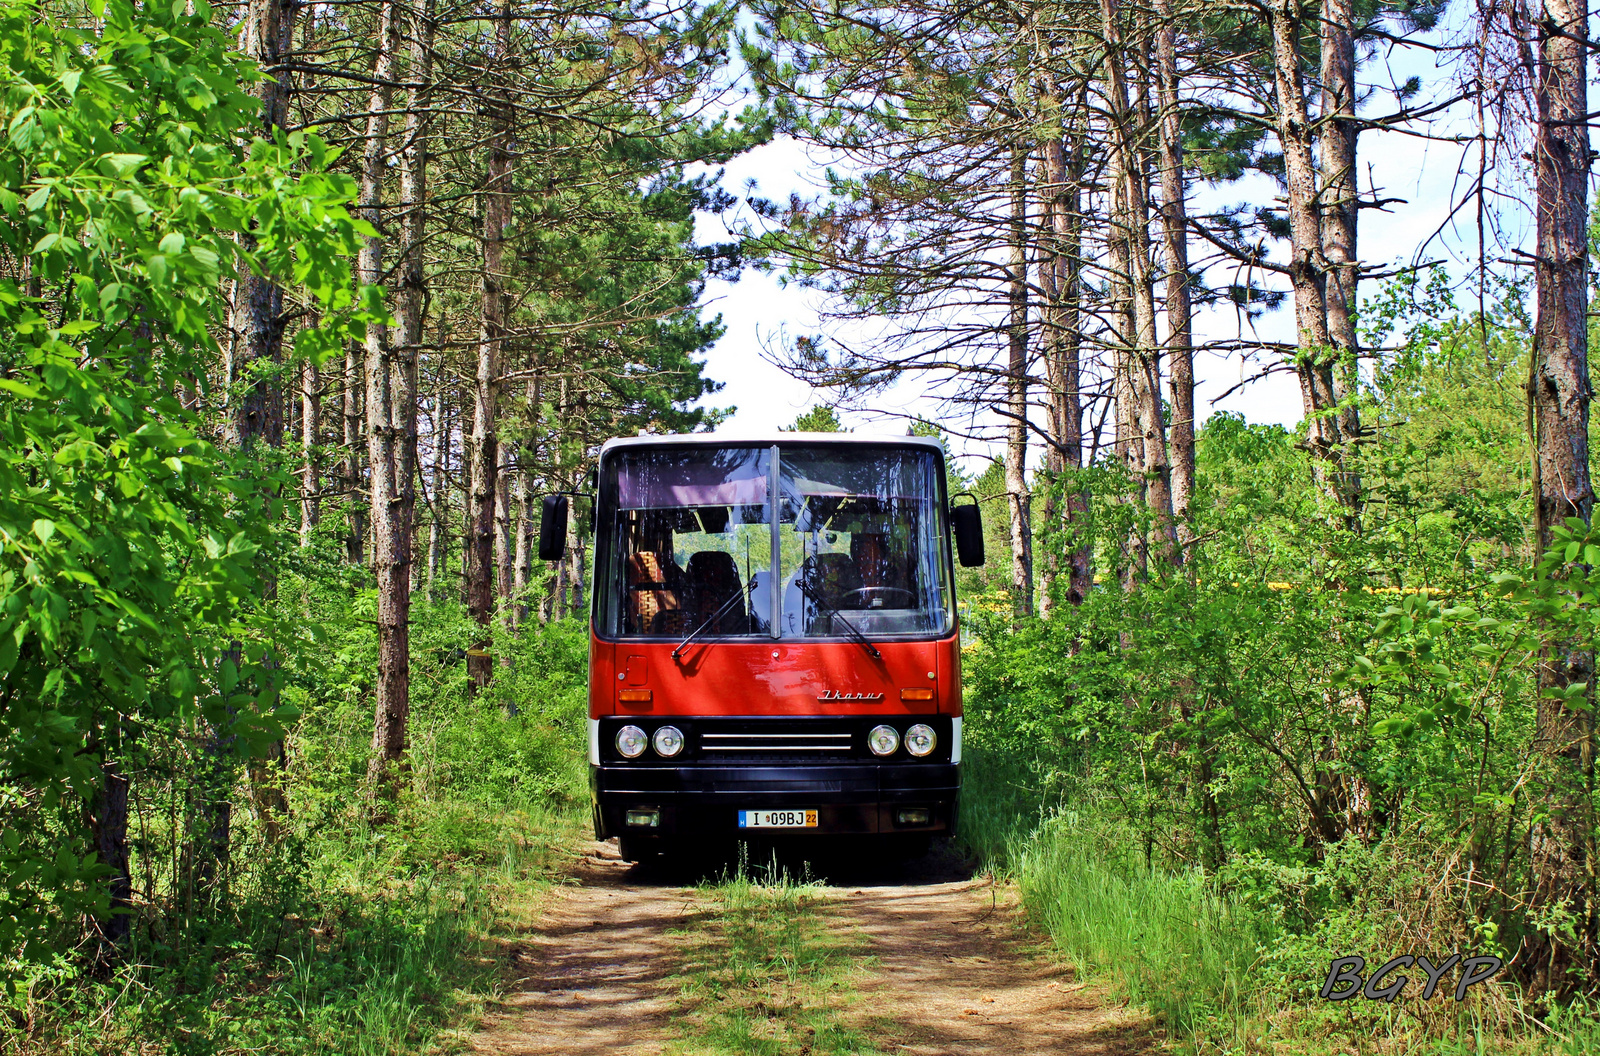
130,545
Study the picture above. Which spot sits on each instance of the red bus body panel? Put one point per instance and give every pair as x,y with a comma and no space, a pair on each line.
755,677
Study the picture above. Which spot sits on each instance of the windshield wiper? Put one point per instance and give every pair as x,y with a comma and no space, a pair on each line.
722,611
836,618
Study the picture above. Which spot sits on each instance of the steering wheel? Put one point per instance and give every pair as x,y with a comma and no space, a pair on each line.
891,598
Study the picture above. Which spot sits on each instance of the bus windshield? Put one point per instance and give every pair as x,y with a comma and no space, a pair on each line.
692,538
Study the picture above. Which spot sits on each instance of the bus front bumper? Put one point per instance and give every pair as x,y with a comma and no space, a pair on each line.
706,800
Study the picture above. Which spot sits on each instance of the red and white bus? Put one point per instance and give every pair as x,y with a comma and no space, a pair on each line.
720,706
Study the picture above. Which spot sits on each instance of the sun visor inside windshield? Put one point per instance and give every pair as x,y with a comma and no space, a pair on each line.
715,479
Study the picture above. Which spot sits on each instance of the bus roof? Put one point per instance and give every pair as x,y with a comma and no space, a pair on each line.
753,439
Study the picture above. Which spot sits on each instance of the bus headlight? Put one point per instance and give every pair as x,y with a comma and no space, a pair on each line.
668,741
631,742
920,740
883,740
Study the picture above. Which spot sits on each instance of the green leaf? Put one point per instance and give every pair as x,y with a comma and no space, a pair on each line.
44,529
120,165
17,388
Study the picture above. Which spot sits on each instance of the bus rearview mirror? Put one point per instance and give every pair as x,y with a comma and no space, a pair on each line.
553,528
967,523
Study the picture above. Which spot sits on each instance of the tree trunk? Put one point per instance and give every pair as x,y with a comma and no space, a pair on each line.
412,294
310,434
1144,356
1308,268
523,570
1563,841
505,557
1337,140
108,827
485,447
439,509
355,494
522,565
1069,503
504,552
386,410
1069,228
1126,448
1017,499
1175,236
258,300
577,553
256,420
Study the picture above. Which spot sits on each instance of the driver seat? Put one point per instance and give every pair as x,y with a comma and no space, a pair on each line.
834,576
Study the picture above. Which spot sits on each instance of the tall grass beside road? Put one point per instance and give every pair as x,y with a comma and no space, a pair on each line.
1232,962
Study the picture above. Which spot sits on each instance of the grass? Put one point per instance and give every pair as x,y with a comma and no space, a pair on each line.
1224,978
763,976
371,948
1233,974
1169,941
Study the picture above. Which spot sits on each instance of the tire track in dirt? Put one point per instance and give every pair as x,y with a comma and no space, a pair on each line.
591,977
953,975
957,976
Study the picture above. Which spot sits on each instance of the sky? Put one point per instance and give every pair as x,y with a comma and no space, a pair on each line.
759,311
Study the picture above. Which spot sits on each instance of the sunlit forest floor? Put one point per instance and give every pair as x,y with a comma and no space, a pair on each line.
464,928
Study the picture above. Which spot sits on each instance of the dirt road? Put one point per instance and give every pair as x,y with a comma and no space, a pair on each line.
951,973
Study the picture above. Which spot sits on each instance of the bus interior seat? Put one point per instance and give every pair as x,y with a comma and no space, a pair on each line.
653,606
710,580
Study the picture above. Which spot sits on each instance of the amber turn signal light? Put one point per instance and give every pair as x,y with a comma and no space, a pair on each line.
916,694
634,696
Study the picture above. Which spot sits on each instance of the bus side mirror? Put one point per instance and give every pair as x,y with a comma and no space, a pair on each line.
968,525
553,528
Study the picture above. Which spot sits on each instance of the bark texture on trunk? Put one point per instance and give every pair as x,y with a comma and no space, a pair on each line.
523,561
504,553
256,419
1063,286
108,829
1563,842
1337,141
310,435
1308,267
439,507
483,472
388,405
258,300
412,294
1052,282
355,490
1069,227
505,557
1142,357
1126,448
1175,239
1017,498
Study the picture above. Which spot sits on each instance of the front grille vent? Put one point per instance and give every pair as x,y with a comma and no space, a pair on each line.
832,743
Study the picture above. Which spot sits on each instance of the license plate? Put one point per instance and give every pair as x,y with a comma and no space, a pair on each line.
777,819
